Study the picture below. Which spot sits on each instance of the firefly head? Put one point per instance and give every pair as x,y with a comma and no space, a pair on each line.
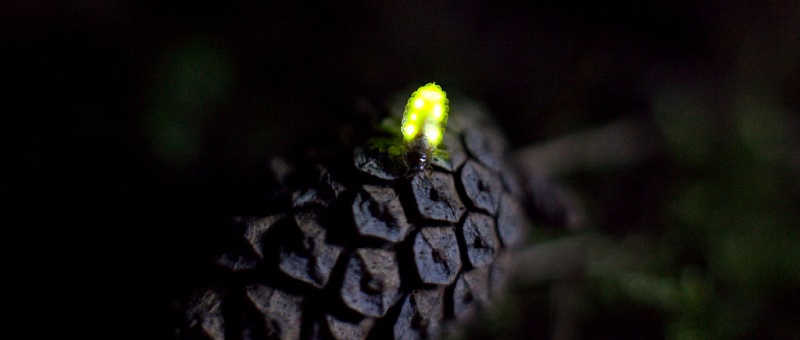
418,154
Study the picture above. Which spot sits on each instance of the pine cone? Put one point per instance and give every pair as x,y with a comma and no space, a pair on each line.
365,249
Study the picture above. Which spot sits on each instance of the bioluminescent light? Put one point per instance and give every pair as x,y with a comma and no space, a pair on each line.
424,122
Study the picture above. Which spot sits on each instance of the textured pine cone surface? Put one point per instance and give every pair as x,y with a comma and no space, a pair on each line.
358,247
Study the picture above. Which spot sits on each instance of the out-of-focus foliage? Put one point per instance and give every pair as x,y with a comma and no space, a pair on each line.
706,233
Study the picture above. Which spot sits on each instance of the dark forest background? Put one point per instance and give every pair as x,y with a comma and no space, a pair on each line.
135,127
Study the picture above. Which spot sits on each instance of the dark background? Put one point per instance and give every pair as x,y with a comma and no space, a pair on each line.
137,127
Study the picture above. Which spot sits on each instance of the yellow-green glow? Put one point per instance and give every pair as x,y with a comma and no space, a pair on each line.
409,130
437,112
433,134
426,114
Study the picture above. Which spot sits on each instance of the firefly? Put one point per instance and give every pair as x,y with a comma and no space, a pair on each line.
424,122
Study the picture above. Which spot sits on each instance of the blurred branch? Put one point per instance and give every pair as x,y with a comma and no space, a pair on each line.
561,259
619,144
